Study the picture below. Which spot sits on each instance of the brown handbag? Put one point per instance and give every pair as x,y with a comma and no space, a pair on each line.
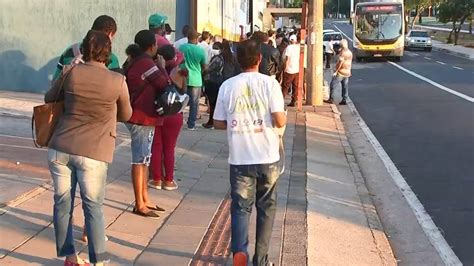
46,116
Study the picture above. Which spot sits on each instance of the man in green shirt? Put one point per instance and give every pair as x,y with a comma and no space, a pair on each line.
195,63
102,23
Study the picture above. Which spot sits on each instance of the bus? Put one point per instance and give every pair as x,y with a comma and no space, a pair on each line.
379,30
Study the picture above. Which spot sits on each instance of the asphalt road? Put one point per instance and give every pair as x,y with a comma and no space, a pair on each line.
428,132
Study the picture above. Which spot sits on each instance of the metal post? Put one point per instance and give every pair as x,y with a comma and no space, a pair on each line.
315,93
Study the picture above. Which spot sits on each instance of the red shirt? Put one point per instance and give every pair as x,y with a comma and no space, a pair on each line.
142,92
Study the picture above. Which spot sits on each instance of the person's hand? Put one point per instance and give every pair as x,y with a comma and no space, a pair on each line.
334,74
160,61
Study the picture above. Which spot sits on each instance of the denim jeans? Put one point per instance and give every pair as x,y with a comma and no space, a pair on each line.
67,171
345,86
194,95
253,184
142,140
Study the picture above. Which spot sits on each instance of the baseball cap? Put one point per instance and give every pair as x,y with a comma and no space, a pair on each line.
156,20
293,38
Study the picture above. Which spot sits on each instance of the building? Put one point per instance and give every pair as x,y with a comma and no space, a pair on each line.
34,33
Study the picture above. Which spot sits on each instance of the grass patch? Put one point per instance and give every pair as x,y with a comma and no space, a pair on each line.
464,39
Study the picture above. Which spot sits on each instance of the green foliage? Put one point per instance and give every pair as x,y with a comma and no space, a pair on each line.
455,11
296,3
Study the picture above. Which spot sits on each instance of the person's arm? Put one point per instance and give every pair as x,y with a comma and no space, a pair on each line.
220,113
53,93
124,109
203,61
277,106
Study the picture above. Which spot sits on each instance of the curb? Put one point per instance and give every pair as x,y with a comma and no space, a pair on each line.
459,54
384,248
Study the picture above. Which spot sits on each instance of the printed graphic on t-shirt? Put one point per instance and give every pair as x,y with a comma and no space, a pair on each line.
247,111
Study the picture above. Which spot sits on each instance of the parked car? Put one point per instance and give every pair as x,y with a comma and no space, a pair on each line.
336,37
418,39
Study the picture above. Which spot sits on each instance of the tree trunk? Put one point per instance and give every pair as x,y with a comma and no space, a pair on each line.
407,20
450,40
415,18
470,25
456,33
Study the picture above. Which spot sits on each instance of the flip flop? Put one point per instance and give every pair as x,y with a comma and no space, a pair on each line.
150,214
156,208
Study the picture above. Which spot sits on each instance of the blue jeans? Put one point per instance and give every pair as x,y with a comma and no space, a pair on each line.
345,86
142,140
67,171
253,184
194,95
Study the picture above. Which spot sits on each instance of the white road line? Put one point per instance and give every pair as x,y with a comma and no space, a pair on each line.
424,219
343,33
439,62
15,137
23,147
460,68
427,58
437,85
429,227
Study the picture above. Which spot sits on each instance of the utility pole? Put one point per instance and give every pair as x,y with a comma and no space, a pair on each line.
315,89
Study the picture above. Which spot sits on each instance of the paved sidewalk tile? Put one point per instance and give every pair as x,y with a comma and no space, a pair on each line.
338,229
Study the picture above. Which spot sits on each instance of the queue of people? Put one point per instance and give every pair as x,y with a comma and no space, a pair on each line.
242,83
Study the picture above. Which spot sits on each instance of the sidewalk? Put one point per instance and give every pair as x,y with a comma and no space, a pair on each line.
324,213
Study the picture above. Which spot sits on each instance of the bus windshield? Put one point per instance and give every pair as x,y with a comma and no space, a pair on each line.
378,24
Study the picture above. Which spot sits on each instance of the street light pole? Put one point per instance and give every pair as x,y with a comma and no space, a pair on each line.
337,9
315,60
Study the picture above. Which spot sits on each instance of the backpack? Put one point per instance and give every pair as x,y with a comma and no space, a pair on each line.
217,77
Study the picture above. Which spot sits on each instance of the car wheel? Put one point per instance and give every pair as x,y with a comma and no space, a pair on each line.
429,49
397,58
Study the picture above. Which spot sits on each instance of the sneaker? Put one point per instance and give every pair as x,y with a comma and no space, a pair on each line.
240,259
191,128
328,101
343,102
208,126
155,184
292,103
169,185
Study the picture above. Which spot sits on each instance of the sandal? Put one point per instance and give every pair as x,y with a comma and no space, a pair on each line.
156,208
150,214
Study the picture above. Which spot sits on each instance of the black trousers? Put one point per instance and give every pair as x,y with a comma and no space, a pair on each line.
212,90
328,60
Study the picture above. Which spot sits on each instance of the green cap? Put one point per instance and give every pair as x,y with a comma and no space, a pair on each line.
156,20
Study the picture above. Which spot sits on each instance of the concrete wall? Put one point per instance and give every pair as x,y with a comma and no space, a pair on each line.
33,33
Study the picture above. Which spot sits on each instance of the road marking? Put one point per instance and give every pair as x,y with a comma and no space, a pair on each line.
460,68
427,58
439,62
439,86
424,219
15,137
22,147
343,33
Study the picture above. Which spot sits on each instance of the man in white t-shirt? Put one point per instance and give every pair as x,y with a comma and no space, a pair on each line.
250,107
183,40
205,43
291,57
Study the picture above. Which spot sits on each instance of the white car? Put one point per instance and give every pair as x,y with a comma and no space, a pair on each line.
336,40
418,39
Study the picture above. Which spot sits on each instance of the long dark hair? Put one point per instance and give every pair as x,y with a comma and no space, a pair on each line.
226,51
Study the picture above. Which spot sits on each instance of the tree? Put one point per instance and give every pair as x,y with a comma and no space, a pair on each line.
419,6
455,11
